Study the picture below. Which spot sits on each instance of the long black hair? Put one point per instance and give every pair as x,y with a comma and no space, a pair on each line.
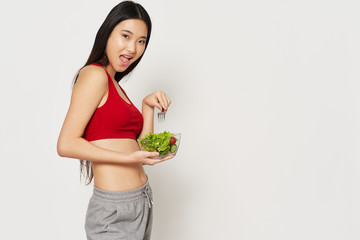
123,11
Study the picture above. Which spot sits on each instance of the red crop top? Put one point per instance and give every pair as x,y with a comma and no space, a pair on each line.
115,119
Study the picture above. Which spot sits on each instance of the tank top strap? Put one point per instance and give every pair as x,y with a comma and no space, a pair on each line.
108,75
111,86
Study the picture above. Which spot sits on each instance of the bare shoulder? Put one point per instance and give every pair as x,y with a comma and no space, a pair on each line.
92,83
92,75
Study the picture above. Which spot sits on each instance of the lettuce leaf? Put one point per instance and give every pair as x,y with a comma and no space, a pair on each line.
157,142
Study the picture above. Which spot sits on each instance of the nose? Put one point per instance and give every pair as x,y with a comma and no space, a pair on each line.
131,47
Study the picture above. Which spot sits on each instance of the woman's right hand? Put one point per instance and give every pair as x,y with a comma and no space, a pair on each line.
143,157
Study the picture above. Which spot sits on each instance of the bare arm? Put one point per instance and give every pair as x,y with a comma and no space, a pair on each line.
89,90
148,115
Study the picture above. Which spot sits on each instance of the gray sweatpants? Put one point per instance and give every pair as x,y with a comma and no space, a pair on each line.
120,215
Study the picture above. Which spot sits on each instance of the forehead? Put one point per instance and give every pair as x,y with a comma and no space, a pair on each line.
136,26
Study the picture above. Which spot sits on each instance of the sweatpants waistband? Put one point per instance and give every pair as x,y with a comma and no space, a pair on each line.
119,196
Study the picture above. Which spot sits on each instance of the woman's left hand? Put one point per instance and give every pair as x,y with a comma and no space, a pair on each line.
159,100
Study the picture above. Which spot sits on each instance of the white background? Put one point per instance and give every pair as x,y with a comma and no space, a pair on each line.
265,94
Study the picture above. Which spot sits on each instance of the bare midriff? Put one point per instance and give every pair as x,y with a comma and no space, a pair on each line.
118,177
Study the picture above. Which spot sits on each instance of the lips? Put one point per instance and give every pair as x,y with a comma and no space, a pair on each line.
125,59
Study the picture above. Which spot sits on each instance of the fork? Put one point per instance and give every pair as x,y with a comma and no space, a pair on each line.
161,116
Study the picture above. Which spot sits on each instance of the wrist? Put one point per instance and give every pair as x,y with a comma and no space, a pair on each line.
145,105
147,108
131,158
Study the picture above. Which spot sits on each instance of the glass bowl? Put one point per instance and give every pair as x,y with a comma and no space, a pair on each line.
170,150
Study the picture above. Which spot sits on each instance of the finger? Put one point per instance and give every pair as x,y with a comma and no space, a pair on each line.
163,108
168,101
165,101
158,105
153,154
160,100
167,158
152,162
148,155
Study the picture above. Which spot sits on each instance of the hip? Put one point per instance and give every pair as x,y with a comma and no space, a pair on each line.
120,214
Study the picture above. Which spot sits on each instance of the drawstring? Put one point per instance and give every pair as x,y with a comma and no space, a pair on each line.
146,192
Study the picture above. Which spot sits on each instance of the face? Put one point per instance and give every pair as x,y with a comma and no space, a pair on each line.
126,44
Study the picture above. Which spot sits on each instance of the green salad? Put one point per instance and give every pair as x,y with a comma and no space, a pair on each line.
164,143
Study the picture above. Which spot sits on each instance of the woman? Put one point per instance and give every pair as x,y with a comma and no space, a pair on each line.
102,125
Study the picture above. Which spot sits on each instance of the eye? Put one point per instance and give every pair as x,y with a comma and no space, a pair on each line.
142,41
126,36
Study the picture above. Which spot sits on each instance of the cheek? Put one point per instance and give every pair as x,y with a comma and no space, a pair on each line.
140,51
113,45
109,49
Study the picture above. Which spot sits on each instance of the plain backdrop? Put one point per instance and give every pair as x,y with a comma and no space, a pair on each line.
265,94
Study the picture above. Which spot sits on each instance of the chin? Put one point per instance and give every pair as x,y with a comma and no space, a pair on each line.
121,68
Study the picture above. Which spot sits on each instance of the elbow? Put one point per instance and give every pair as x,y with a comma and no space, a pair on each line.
62,148
60,151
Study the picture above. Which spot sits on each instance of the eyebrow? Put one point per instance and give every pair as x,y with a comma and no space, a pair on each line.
132,33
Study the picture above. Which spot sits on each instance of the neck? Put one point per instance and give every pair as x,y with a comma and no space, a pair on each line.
111,71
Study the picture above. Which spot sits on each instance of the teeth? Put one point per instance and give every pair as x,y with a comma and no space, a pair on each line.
126,57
